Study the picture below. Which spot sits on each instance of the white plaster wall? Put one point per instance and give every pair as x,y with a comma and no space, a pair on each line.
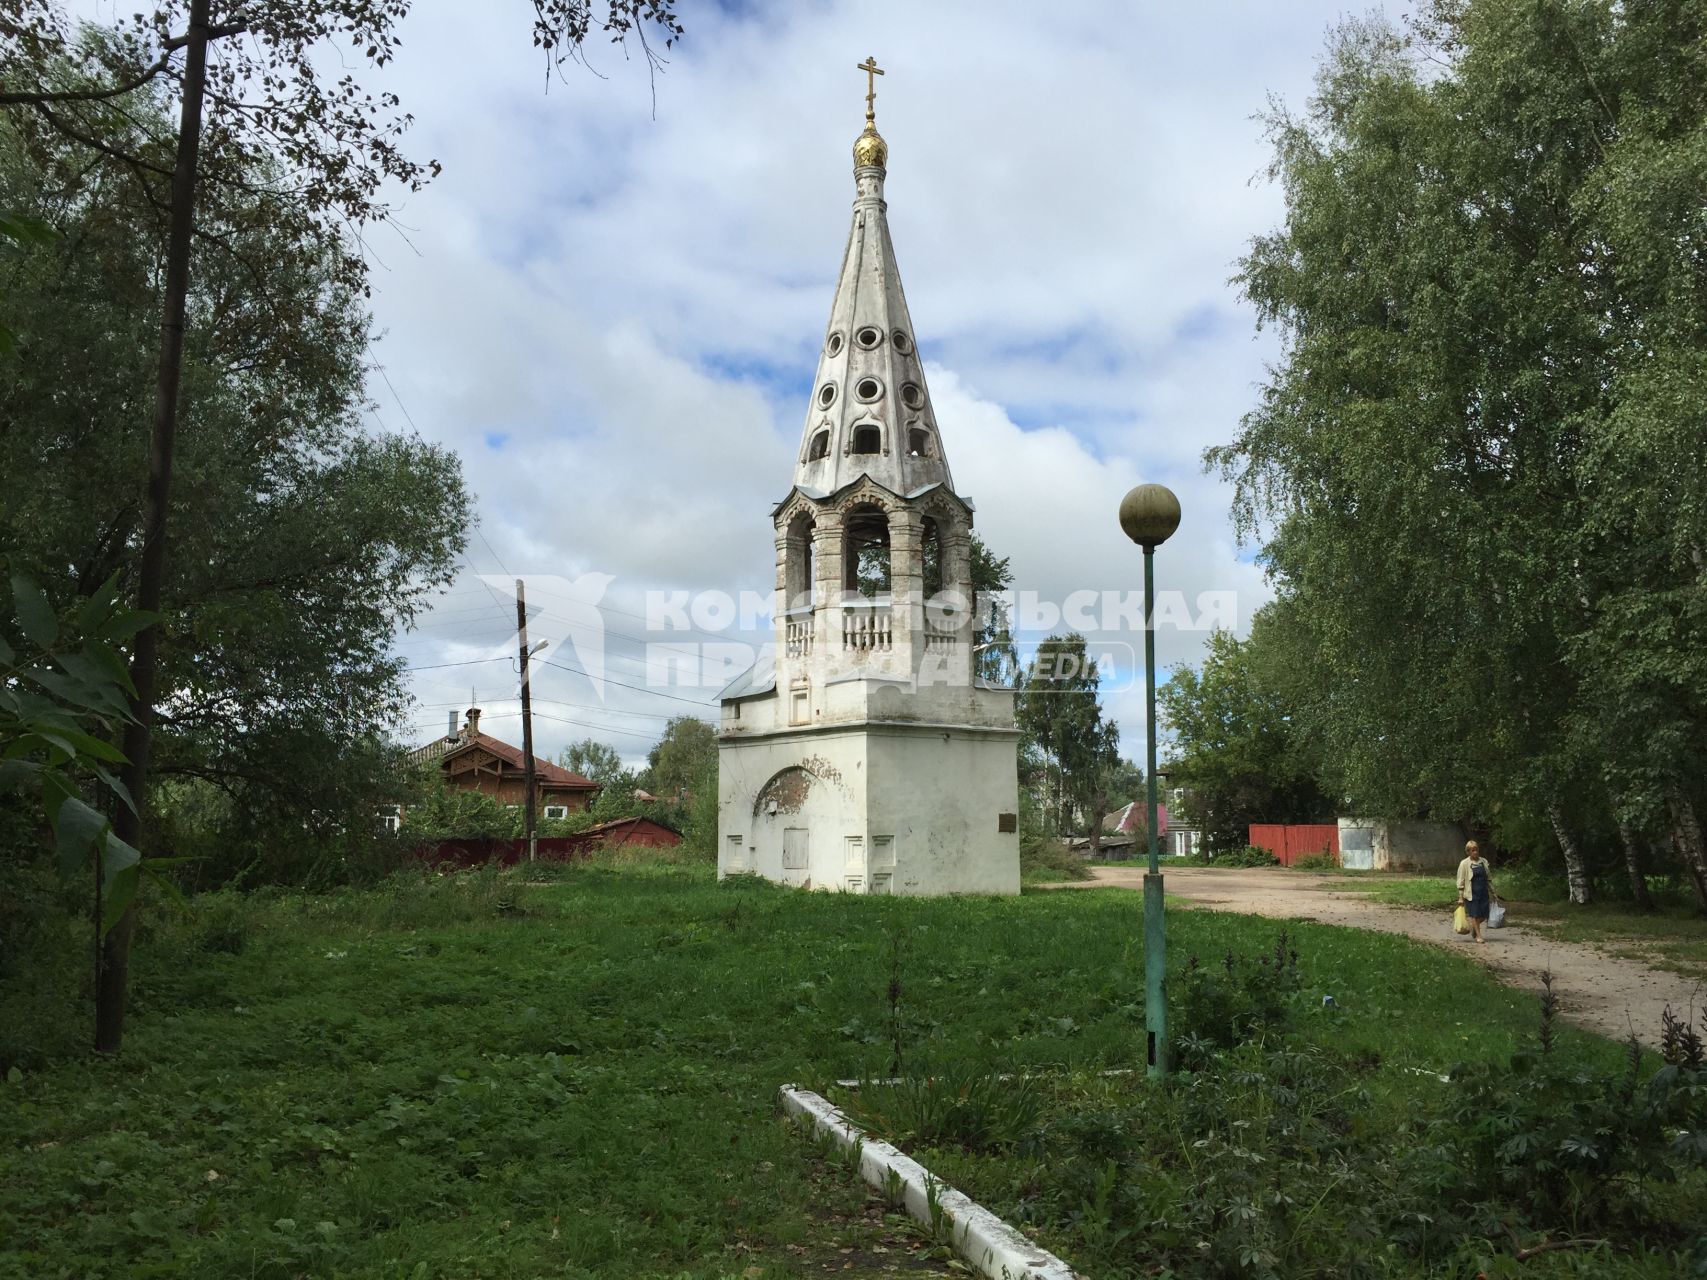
830,806
935,792
940,792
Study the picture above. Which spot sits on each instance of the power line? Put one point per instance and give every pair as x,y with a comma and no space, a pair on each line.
440,666
698,702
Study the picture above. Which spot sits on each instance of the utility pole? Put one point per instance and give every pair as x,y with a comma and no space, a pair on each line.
112,975
527,719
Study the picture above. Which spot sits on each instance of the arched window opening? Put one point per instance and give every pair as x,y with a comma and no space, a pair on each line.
820,447
800,561
919,443
865,537
868,439
930,545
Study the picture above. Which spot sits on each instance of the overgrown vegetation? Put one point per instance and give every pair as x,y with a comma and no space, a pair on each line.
571,1071
1244,855
1286,1148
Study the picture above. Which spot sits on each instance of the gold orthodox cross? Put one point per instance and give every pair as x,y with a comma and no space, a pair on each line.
872,71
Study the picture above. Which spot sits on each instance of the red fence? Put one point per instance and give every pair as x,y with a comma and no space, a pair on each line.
1300,840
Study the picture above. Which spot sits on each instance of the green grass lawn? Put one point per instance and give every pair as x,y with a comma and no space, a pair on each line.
473,1077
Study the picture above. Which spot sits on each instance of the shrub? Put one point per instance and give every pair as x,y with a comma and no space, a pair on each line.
1244,856
1045,858
1317,862
1219,1006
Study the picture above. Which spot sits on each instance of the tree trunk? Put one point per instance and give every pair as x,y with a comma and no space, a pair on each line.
1576,870
1633,863
113,976
1687,834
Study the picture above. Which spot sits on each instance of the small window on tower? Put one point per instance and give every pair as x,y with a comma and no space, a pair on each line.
903,344
868,389
868,439
918,443
912,395
827,395
868,337
820,447
834,346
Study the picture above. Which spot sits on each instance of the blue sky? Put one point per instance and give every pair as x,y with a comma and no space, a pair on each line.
613,310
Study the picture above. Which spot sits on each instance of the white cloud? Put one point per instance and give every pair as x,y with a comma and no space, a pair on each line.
626,301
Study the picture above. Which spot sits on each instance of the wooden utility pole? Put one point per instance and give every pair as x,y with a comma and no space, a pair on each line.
527,718
113,975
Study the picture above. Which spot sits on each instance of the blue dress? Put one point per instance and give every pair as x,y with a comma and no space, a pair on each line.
1478,908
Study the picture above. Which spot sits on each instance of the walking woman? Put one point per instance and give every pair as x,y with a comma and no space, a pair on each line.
1475,889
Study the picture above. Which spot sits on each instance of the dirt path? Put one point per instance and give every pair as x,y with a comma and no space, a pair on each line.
1600,992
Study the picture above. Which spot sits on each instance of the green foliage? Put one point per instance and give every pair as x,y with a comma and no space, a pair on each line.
1244,855
1316,862
995,659
1280,1155
682,760
1235,751
302,539
64,693
1076,750
594,760
1227,1002
443,812
1043,859
1480,468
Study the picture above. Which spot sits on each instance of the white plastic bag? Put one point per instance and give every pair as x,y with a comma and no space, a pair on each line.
1496,916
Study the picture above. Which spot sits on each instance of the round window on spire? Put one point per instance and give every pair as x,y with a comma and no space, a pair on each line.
868,337
912,395
826,395
834,345
868,389
902,342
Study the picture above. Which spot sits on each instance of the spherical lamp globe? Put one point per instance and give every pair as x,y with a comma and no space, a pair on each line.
1149,514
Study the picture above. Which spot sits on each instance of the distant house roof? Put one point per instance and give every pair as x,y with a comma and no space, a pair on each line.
543,770
441,751
1124,821
1130,820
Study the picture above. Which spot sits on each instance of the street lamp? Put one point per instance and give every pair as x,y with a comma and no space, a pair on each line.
1149,514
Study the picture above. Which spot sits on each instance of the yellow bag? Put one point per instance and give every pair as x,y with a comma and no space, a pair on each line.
1460,921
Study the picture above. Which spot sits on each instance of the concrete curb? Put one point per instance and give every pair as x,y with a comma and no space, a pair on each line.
994,1248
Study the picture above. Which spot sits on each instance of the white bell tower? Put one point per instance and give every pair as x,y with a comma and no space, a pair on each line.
868,757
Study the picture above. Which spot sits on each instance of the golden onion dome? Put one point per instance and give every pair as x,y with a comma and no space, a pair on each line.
870,148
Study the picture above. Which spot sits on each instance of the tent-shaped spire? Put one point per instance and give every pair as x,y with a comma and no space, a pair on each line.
870,412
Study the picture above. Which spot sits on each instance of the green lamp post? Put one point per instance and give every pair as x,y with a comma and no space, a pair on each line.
1149,514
